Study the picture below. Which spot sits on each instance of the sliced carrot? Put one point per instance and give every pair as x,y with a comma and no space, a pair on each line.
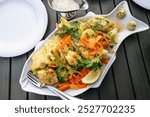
104,40
70,76
74,86
78,78
100,48
86,42
92,43
107,43
104,60
57,26
64,87
65,36
93,52
81,84
74,82
65,42
62,84
78,86
86,72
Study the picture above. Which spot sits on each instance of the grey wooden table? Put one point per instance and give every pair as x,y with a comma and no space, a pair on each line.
128,78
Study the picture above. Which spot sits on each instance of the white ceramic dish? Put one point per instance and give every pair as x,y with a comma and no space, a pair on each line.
27,86
85,6
22,25
143,3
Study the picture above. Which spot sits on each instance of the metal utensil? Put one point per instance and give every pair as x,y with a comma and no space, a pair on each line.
35,81
69,14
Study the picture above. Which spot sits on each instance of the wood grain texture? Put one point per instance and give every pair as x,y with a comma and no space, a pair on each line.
4,78
141,82
16,69
108,87
122,76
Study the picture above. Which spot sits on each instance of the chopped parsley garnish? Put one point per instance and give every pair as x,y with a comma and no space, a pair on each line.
73,31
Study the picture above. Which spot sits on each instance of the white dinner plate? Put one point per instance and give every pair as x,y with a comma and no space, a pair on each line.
143,3
22,25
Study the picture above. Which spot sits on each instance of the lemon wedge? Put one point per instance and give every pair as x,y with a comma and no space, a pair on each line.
91,77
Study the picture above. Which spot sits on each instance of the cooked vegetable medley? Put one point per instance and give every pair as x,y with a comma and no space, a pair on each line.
77,49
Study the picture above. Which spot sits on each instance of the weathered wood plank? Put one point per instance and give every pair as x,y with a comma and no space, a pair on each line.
94,6
4,77
108,88
141,83
137,69
91,94
106,6
33,96
52,98
122,76
16,69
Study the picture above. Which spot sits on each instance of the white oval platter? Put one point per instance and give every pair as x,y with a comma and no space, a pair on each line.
27,86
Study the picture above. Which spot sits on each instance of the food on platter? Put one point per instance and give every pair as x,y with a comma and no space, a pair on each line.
122,33
75,56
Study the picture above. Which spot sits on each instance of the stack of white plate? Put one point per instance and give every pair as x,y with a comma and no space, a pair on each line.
143,3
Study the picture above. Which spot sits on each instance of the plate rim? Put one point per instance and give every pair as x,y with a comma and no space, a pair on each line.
142,3
42,22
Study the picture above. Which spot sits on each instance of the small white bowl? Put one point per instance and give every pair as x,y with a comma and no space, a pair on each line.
69,14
